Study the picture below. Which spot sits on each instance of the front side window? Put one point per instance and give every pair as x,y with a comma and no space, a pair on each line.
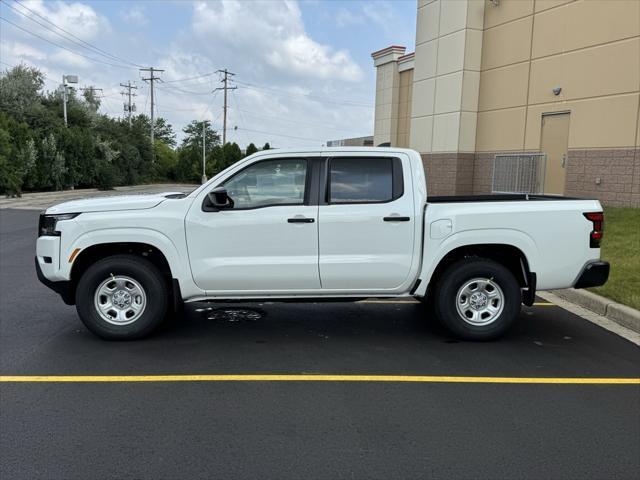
272,182
361,180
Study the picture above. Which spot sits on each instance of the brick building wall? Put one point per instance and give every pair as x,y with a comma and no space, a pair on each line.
609,175
612,176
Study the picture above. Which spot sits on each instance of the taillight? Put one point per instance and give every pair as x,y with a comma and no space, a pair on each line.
597,218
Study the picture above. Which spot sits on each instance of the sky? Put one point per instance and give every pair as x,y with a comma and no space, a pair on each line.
303,69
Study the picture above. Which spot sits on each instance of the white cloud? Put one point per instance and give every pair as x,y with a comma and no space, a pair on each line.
22,51
78,18
300,79
68,59
135,15
270,35
346,18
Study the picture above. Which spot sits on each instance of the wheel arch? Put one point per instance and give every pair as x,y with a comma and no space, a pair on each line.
511,256
150,252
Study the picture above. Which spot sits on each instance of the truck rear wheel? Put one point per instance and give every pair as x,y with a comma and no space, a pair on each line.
477,299
122,297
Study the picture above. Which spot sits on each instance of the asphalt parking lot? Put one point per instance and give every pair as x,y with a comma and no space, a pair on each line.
251,428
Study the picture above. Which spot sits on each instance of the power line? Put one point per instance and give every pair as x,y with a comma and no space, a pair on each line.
62,46
284,119
204,75
280,135
234,95
80,42
184,92
308,95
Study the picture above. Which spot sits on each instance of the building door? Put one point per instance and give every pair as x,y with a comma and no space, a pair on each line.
554,141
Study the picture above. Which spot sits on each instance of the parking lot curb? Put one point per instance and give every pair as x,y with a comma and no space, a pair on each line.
621,314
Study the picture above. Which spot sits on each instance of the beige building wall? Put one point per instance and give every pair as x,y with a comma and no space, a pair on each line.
387,94
446,76
484,75
590,49
405,93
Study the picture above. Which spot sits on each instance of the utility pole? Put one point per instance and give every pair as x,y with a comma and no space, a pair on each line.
225,81
204,152
128,106
151,79
65,79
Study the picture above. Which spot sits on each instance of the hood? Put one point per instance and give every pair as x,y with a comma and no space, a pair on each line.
110,203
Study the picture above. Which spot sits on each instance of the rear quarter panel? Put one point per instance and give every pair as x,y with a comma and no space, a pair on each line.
553,235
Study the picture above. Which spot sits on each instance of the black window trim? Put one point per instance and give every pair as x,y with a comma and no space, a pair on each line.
397,180
310,193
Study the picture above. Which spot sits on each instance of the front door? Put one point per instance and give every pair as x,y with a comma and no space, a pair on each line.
268,240
367,224
554,141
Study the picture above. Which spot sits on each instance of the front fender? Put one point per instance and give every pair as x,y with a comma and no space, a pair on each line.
158,240
433,252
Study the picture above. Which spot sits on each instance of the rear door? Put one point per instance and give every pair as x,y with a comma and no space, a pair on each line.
366,223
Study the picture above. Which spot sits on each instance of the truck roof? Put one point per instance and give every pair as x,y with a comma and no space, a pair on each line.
336,150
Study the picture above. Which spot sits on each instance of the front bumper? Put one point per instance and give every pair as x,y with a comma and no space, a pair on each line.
63,288
593,275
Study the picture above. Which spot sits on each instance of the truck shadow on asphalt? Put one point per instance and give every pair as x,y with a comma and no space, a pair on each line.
308,320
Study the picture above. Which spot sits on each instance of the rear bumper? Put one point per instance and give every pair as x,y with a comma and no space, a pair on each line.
593,275
63,288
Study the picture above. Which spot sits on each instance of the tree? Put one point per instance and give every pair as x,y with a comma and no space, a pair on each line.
26,163
9,177
266,146
193,135
231,153
189,165
166,161
91,99
162,129
251,149
38,152
106,174
18,155
53,165
20,89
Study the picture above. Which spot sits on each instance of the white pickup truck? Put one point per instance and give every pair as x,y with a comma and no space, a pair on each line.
324,224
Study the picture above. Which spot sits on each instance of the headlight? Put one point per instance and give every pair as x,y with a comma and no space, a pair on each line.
47,223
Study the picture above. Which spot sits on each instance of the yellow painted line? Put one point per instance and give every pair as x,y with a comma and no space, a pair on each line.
314,378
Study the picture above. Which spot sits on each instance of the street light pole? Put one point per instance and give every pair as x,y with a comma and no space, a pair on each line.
64,98
65,79
204,151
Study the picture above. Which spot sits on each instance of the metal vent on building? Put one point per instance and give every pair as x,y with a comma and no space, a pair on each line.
519,173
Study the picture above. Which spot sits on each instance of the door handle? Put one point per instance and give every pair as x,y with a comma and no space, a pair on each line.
301,220
396,218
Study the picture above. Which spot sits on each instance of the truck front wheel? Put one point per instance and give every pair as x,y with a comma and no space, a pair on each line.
477,299
122,297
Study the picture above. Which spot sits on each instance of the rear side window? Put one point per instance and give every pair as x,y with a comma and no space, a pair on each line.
364,180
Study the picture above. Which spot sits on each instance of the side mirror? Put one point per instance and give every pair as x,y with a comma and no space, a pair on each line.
219,198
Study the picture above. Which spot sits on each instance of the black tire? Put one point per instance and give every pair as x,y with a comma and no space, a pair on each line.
137,268
457,276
